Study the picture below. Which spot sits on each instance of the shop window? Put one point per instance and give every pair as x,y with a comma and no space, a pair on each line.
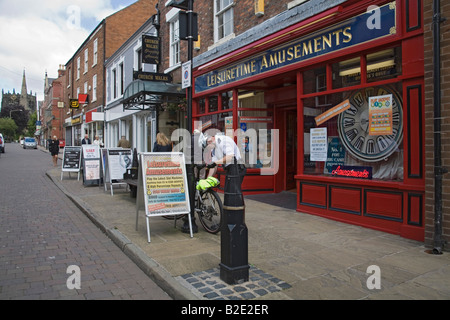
201,106
213,104
314,80
362,131
227,100
384,64
346,73
218,121
256,123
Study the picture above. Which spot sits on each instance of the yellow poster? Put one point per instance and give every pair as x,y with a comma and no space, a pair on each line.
380,115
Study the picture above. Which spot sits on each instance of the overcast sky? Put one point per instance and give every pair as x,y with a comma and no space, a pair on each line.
39,35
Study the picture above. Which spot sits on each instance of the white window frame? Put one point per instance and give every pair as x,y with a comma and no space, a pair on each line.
220,12
78,67
114,83
172,19
86,87
95,58
94,88
86,58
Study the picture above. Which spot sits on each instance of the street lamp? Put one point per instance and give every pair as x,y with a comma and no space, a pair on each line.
14,111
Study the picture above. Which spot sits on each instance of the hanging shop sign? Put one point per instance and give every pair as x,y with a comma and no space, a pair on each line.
151,76
346,34
74,104
83,98
151,52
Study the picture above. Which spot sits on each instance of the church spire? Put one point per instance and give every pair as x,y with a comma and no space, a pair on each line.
24,91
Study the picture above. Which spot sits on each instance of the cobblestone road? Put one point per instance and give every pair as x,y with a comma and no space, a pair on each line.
42,233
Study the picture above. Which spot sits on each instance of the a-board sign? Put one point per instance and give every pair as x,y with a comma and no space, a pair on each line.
119,160
91,164
71,159
165,189
165,184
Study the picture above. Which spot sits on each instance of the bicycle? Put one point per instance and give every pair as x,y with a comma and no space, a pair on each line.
208,204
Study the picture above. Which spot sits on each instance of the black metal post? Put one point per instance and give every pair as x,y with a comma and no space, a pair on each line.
234,266
190,166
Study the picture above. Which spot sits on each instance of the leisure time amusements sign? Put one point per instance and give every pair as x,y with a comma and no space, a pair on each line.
348,33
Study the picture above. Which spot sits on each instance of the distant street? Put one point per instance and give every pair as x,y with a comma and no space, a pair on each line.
49,248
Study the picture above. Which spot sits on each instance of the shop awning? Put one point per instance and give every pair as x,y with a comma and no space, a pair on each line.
148,95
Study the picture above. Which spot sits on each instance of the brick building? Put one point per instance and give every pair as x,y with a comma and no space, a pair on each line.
52,114
85,71
260,64
434,198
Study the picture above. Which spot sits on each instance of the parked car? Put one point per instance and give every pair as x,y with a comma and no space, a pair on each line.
29,143
2,144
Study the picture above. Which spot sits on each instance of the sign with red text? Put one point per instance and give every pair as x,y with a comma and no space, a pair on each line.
352,172
91,164
165,184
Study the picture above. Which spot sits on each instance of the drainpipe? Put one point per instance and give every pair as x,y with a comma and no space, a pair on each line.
439,171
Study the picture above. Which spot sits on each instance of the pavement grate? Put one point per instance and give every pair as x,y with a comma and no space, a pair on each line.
208,285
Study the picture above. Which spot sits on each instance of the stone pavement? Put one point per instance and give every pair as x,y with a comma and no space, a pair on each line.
292,255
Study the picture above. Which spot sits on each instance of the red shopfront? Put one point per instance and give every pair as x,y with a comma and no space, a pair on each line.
333,108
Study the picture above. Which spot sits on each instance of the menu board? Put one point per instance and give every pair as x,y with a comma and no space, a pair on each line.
71,159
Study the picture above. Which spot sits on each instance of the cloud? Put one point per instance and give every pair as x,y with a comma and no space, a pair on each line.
38,36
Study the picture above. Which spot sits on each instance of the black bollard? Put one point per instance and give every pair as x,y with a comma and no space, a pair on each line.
234,266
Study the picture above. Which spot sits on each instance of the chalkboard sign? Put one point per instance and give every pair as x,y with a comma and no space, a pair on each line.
71,161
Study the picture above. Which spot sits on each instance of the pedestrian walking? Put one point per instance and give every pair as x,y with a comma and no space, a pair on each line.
53,147
162,143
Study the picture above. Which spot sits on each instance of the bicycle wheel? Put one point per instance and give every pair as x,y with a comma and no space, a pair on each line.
210,213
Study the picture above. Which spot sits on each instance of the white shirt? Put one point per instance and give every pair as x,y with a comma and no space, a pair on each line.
225,146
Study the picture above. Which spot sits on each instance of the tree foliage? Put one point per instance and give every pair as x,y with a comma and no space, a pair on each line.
8,128
20,117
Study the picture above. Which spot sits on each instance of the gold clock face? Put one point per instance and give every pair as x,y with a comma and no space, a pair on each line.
353,126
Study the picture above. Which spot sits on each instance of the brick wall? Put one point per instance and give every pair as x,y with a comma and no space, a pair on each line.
244,19
429,121
124,23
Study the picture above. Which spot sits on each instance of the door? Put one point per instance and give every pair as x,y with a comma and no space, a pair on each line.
290,119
